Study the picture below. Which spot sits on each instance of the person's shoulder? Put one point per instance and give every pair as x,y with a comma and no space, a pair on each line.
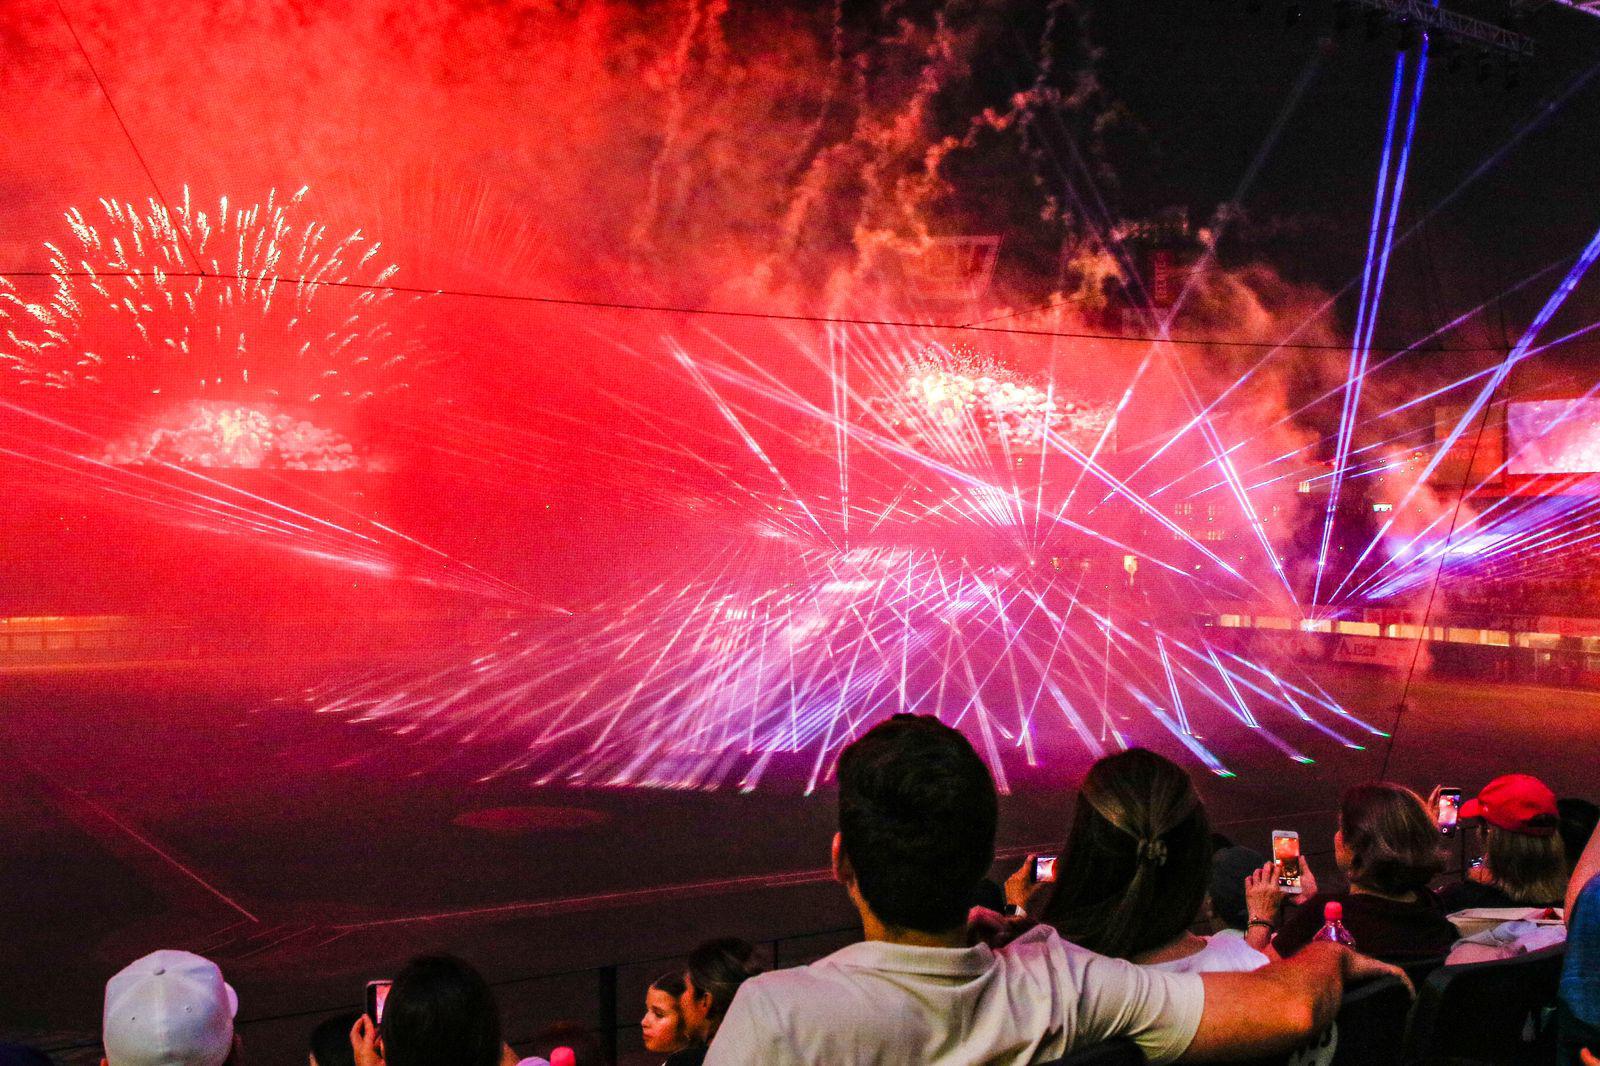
1043,954
794,987
777,982
1312,910
1465,894
1035,939
1045,951
1044,948
1221,954
689,1056
1232,953
761,1018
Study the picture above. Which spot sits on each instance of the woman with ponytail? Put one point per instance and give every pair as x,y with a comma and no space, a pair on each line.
1133,874
716,970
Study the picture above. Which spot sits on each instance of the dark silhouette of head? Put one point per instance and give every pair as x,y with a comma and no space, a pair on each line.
330,1040
917,816
440,1012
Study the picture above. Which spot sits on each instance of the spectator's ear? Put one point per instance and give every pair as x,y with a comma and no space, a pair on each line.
841,863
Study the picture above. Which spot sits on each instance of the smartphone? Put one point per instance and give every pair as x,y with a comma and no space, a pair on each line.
377,993
1044,869
1286,855
1449,809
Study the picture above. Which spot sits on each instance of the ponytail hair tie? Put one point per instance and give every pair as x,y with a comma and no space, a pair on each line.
1153,852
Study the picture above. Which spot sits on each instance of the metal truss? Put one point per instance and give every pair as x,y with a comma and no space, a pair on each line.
1462,28
1588,7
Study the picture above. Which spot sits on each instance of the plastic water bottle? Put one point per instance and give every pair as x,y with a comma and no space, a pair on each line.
1333,929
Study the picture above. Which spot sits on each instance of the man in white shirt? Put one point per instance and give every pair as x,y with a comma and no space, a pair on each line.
917,816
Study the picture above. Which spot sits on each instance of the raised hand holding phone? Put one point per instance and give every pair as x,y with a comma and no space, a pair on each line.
1037,870
1308,881
1263,904
365,1044
1447,808
377,995
1020,885
1286,857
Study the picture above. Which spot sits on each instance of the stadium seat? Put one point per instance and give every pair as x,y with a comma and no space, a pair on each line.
1492,1012
1367,1031
1372,1024
1419,972
1120,1052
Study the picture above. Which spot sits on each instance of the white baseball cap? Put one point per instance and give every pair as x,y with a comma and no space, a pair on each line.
170,1008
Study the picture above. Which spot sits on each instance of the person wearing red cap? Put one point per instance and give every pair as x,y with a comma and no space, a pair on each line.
1525,863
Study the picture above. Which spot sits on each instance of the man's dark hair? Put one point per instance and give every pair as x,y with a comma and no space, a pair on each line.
330,1040
917,814
440,1012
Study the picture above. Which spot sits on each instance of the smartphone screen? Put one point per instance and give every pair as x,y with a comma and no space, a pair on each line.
377,994
1044,868
1449,808
1286,854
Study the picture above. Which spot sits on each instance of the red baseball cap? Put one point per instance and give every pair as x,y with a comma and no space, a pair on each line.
1517,803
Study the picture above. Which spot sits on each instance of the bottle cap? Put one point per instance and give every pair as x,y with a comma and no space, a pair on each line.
1333,912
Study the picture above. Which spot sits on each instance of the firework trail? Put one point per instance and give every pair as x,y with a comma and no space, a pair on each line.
275,309
155,360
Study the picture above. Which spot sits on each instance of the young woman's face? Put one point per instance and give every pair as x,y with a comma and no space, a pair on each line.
662,1024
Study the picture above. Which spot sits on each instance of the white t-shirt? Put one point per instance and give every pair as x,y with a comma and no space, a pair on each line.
1226,952
878,1004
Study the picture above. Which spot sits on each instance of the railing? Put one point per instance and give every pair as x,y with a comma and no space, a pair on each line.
606,983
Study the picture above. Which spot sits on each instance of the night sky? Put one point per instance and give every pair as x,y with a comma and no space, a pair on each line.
511,141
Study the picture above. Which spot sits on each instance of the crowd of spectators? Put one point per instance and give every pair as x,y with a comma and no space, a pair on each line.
1572,594
1155,929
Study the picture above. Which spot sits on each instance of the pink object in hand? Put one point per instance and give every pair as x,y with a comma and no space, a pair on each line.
563,1056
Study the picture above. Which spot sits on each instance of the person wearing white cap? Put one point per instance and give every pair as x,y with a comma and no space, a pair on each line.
170,1008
